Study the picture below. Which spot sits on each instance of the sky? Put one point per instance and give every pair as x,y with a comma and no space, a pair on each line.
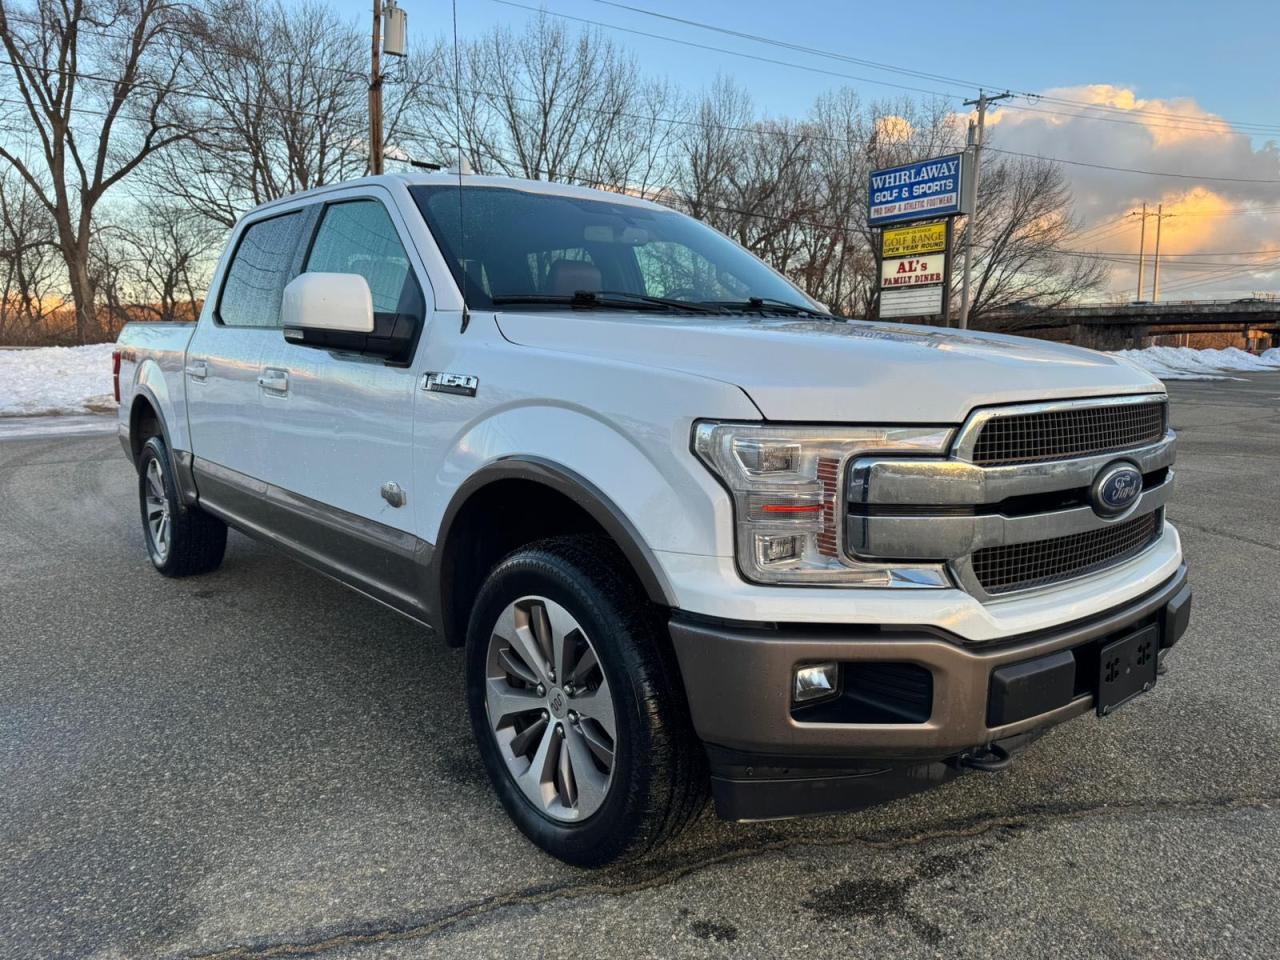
1186,88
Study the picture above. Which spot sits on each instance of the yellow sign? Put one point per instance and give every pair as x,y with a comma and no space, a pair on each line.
914,240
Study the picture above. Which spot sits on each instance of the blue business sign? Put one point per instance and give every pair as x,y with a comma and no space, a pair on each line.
916,191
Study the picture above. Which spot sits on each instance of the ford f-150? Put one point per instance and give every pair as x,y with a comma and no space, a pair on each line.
694,533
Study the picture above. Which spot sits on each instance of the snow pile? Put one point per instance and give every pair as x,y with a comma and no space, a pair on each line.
1187,363
51,380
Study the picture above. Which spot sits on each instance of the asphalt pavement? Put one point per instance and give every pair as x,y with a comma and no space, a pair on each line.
259,763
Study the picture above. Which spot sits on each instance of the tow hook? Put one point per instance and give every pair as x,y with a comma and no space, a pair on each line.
992,759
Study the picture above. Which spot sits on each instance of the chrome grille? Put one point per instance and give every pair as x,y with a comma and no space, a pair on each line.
1071,432
1020,566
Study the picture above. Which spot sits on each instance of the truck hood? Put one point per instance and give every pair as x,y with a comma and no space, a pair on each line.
810,370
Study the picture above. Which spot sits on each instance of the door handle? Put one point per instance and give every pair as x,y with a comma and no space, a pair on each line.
197,370
274,381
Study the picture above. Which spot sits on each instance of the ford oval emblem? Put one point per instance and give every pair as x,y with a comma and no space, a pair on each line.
1116,489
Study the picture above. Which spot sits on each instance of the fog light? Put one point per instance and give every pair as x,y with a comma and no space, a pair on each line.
816,681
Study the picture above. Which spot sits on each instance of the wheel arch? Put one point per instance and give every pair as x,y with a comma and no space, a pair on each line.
474,535
146,421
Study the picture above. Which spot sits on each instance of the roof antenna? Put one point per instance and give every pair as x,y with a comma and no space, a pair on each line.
462,223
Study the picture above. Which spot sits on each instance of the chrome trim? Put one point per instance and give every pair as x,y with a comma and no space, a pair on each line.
941,483
951,538
394,494
461,384
893,492
968,436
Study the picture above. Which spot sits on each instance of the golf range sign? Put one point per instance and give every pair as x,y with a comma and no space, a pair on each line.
912,241
913,269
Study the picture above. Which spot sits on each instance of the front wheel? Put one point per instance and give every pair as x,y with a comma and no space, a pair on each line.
577,707
182,539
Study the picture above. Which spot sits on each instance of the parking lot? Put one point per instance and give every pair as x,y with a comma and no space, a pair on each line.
259,763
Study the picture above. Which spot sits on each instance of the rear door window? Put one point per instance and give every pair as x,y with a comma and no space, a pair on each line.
261,266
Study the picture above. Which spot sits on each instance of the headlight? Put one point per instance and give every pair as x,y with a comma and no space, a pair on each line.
787,485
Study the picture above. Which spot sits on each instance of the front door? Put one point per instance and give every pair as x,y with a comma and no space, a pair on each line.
337,428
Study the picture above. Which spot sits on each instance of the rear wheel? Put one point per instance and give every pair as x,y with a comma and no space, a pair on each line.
182,539
576,706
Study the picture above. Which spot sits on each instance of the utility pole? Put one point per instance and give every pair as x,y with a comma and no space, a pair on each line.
975,142
1155,287
1160,216
375,94
1142,250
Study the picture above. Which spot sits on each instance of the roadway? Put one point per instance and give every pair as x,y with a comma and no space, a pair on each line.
258,763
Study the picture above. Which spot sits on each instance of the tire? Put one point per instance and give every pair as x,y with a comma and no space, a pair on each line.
182,540
655,782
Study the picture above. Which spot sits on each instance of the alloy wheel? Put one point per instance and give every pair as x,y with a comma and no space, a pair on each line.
157,510
550,709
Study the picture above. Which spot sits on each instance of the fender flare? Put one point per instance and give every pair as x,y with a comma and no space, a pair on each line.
576,488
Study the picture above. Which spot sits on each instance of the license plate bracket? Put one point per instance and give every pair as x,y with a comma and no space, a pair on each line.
1126,668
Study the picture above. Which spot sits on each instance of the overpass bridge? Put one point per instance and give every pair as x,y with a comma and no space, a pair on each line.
1133,325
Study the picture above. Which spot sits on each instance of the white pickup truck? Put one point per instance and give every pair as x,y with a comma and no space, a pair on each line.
693,531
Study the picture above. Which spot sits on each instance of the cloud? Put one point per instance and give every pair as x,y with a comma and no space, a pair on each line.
891,127
1115,127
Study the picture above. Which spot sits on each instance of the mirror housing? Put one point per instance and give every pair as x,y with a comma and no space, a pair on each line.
334,311
336,302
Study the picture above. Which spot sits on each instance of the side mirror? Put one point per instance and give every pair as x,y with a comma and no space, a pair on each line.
334,311
335,302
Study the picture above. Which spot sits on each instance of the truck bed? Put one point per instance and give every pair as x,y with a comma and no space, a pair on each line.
152,359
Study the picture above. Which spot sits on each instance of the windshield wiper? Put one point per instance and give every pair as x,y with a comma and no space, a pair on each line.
609,299
769,305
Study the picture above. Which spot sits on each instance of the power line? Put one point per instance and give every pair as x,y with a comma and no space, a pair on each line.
937,93
735,53
1182,120
228,101
1227,274
1201,253
1148,173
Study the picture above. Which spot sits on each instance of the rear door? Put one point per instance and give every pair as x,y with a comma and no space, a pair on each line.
224,357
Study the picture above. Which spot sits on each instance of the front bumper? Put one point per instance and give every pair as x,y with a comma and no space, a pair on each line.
738,680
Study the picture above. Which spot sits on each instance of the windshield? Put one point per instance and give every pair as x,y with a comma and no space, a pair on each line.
558,250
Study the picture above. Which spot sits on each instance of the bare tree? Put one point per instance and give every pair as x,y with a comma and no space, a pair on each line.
709,150
841,260
96,86
1026,220
29,264
547,104
155,263
281,107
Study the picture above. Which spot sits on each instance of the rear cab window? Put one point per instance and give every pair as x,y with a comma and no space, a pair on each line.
263,263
